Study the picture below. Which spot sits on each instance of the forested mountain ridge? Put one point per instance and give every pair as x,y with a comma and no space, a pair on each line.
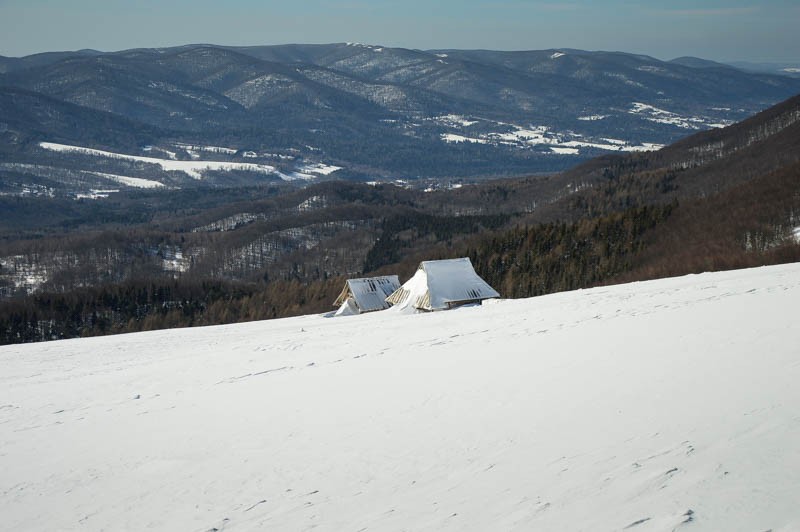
362,112
700,165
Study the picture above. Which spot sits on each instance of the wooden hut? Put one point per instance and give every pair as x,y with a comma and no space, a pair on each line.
442,285
365,295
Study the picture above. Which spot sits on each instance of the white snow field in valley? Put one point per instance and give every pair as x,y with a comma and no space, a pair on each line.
664,405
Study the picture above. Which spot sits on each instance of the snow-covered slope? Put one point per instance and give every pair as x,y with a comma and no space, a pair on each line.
193,169
667,405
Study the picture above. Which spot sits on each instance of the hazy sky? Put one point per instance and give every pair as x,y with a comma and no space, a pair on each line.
766,30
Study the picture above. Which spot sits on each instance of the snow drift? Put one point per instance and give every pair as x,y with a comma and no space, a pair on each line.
667,405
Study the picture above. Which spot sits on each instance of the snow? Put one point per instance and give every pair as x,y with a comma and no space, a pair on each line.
565,143
96,193
175,261
792,70
452,138
296,176
193,168
452,120
413,291
613,146
565,151
719,125
615,141
230,223
661,116
169,154
348,308
135,182
319,168
645,146
210,149
651,68
24,273
308,172
658,403
639,108
796,233
531,135
556,55
592,118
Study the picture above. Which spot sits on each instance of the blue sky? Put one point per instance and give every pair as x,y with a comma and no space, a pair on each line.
722,30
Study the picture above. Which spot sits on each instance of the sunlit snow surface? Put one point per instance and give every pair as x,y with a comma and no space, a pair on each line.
673,404
193,169
592,118
309,172
135,182
566,143
654,114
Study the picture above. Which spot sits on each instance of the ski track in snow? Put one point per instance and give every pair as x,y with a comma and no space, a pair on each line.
665,405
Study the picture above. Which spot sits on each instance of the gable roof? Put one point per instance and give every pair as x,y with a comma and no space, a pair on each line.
441,284
368,294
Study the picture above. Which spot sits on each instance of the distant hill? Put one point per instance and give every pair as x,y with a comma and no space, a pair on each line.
696,62
709,162
28,117
381,113
721,199
10,64
783,69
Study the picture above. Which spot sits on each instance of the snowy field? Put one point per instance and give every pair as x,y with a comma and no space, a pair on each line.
193,169
562,143
666,405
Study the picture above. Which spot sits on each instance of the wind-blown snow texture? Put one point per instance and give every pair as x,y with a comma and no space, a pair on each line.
666,405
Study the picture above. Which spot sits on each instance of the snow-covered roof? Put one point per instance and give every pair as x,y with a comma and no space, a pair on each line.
368,294
439,284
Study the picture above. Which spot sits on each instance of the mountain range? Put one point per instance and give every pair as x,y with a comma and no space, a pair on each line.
362,112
